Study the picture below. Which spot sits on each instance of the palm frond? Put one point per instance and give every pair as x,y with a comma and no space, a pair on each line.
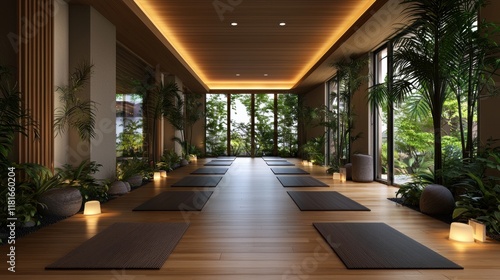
76,113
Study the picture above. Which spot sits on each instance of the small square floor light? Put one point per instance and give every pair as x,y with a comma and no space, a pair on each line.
163,173
157,176
343,174
92,207
479,230
461,232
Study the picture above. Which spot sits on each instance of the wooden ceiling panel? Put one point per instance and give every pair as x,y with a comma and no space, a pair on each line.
195,41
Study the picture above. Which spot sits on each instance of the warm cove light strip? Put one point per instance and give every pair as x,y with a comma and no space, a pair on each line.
362,7
148,9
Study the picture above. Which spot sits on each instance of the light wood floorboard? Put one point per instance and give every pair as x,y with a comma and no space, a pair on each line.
251,229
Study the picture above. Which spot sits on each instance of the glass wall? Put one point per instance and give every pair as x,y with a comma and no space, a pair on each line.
288,117
241,125
216,124
404,133
381,117
262,129
338,122
129,134
264,124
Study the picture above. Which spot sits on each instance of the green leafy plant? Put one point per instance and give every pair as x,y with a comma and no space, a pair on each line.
14,121
130,140
169,160
38,180
216,124
76,113
81,177
314,150
131,167
410,192
428,58
481,200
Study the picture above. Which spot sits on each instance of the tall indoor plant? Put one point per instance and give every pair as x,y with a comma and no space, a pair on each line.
429,55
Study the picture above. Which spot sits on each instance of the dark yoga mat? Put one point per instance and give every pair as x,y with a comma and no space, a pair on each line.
279,163
198,181
226,157
125,246
300,181
219,163
176,201
379,246
272,158
210,170
288,170
325,201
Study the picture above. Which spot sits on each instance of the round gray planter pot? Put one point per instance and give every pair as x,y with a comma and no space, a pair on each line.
62,202
135,181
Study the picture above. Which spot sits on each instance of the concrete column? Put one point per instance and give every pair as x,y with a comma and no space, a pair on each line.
93,39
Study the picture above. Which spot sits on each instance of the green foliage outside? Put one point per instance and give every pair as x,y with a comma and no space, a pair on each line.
130,141
288,118
216,124
241,105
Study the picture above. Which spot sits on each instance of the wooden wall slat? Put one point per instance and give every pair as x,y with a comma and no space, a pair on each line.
129,67
35,77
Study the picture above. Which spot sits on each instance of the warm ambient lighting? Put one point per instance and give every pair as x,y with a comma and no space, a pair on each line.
357,12
92,207
163,173
479,230
343,174
461,232
252,84
193,158
161,24
157,176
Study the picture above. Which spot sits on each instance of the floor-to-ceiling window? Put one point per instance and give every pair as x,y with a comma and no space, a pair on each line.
216,124
403,131
338,122
260,124
129,134
288,116
380,117
264,124
241,126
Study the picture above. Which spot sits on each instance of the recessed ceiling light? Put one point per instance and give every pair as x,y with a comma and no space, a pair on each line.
282,23
265,75
234,23
237,75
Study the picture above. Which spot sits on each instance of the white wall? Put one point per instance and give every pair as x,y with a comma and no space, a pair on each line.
93,39
103,92
61,73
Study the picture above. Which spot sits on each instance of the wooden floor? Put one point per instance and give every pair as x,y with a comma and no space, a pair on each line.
251,229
